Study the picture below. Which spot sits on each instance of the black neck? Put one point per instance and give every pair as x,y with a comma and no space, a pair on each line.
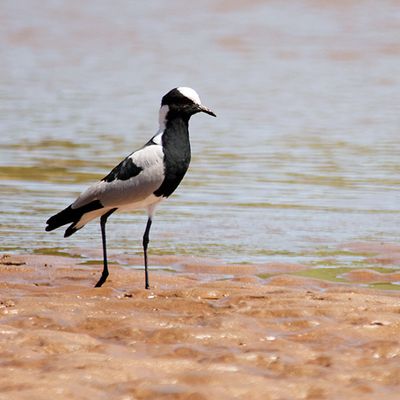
176,147
176,129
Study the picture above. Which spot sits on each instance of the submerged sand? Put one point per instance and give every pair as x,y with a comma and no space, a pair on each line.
191,337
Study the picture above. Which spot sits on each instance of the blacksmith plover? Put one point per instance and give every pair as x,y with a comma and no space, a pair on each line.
141,180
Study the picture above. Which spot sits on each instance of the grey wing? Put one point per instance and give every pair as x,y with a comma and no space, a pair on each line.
130,182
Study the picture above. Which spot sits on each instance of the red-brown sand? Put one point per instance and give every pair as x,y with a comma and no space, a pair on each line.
191,337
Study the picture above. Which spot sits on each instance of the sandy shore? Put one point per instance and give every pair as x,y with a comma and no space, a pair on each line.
190,337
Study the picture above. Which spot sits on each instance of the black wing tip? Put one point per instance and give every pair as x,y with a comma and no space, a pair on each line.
58,220
69,215
70,230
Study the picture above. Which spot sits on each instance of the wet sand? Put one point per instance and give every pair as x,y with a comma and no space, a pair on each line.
201,333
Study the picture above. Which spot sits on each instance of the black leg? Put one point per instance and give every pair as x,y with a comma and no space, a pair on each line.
104,274
145,244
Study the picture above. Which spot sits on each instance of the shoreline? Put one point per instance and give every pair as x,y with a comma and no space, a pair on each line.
189,337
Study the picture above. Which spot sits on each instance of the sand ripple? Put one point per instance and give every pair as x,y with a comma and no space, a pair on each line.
293,338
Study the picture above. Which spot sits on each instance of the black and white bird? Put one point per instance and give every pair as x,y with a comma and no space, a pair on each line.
141,180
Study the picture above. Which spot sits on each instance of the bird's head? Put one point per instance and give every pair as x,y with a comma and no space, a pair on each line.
183,101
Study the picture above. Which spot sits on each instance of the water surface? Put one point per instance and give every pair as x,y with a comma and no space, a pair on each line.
302,159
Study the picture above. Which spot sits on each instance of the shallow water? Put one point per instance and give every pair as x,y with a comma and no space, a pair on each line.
302,159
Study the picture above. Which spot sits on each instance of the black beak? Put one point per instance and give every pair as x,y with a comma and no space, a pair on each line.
206,110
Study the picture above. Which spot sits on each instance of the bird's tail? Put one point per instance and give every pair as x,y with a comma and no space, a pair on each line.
69,215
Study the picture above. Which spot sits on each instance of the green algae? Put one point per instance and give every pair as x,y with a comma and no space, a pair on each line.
54,252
